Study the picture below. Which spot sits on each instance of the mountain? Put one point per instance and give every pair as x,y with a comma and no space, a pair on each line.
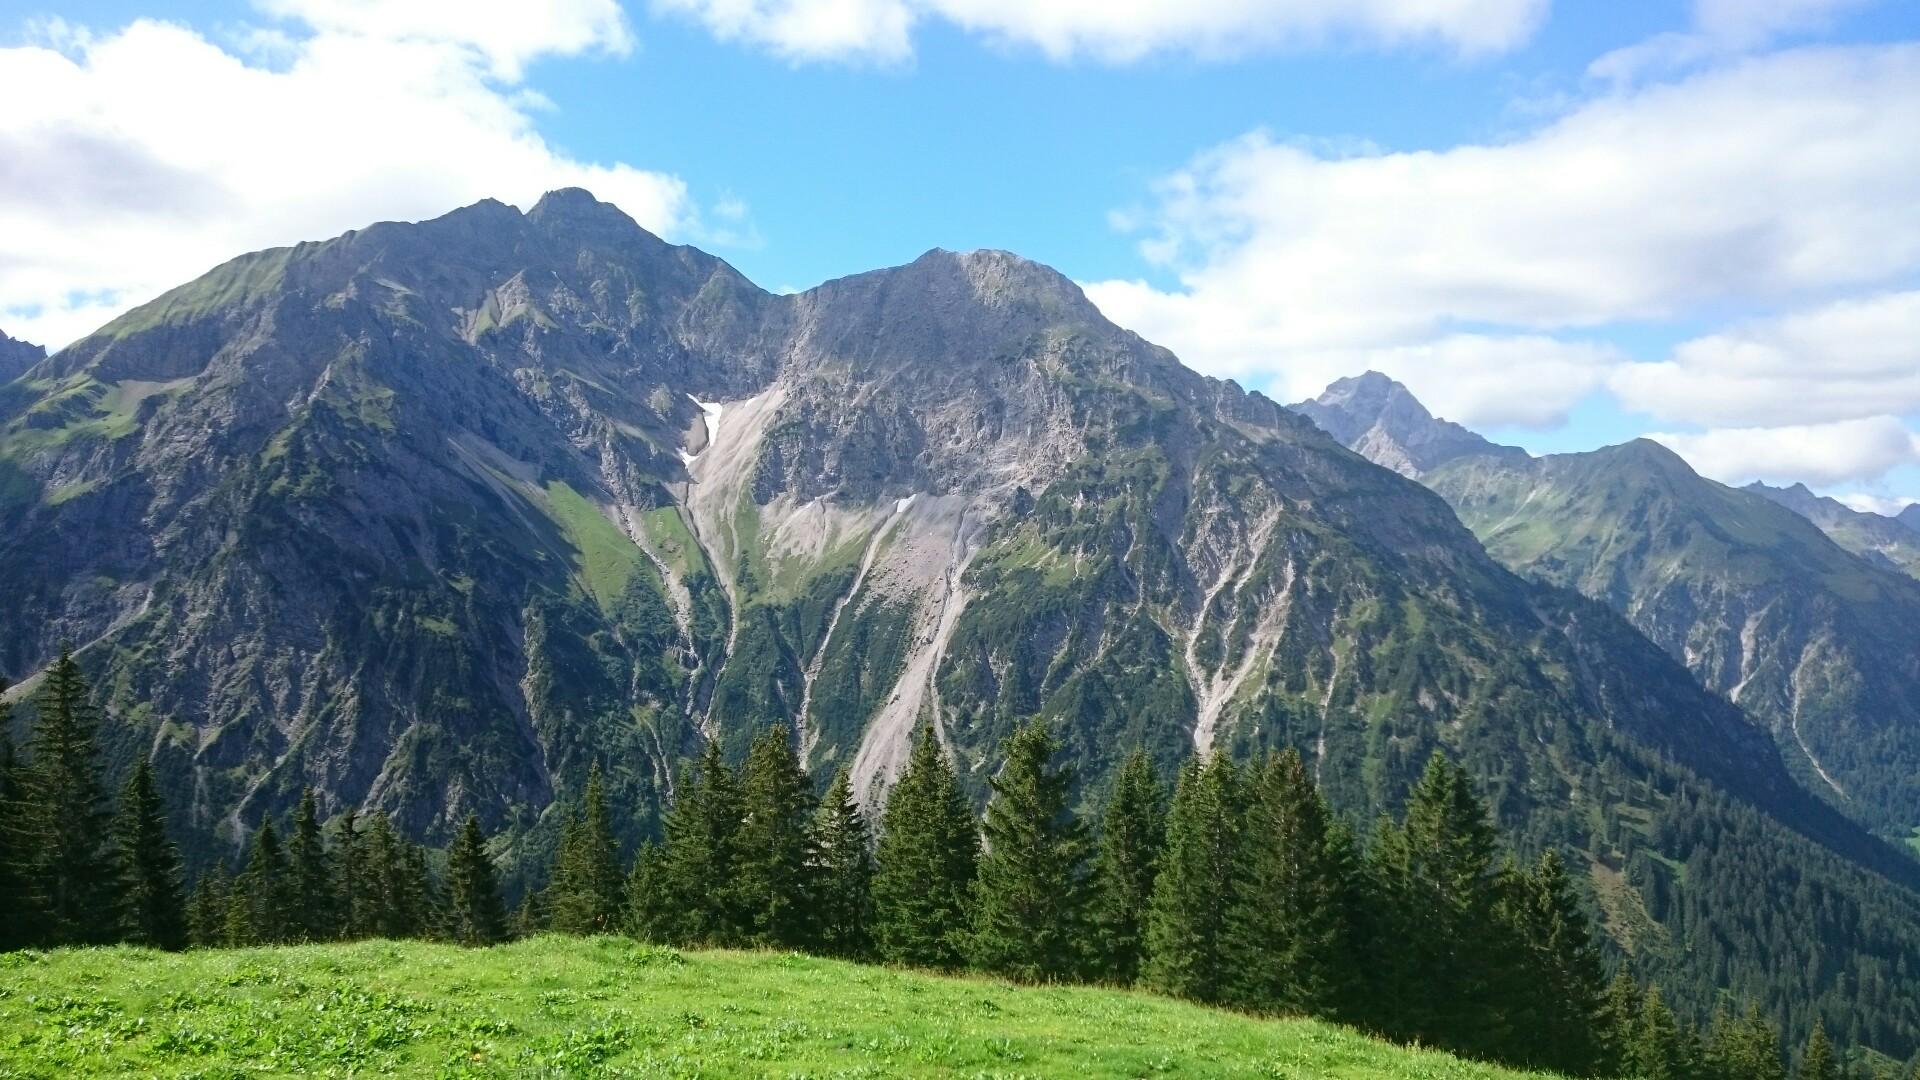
1815,643
17,356
433,517
1383,422
1910,517
1874,537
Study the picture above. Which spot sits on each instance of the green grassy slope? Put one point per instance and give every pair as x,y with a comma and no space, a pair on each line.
557,1006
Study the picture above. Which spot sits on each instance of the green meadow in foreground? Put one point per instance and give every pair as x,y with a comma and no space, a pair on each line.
559,1006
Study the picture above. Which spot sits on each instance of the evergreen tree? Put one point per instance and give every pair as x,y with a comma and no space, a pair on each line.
1132,834
527,918
843,849
262,910
352,899
1188,948
1556,967
153,910
924,863
15,931
1660,1050
688,894
1760,1056
1619,1014
423,906
1817,1062
774,857
311,876
475,915
207,911
586,894
1030,895
69,872
386,905
1286,927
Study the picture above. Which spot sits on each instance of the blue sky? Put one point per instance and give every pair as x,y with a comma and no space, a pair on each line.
1564,223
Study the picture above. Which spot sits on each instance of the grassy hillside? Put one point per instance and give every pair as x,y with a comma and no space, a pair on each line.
565,1006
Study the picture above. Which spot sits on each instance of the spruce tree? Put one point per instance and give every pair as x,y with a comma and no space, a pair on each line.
207,910
1557,966
1287,929
773,868
475,915
694,900
1660,1050
263,897
1132,833
351,897
1188,948
843,850
310,876
69,871
924,863
1619,1014
383,883
1817,1062
1030,895
1760,1048
153,910
15,931
423,905
650,908
588,882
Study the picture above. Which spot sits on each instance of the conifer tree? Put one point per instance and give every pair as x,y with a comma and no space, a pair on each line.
1817,1062
1188,947
1660,1049
1760,1049
310,876
14,897
689,897
527,918
207,910
924,863
383,882
1620,1013
650,914
263,901
1557,967
351,896
1030,894
843,848
422,904
475,915
1132,833
68,866
773,868
588,882
153,910
1286,927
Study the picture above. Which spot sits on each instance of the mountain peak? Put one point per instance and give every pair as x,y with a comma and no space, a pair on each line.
17,356
1379,418
577,208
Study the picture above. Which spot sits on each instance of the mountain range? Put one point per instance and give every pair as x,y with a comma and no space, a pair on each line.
433,517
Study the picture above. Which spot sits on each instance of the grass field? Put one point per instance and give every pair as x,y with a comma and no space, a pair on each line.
555,1006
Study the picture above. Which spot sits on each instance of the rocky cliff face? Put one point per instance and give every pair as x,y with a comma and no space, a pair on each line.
1379,419
17,356
1815,643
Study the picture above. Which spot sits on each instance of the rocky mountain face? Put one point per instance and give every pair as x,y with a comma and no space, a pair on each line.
1815,643
1381,420
1887,541
17,356
435,516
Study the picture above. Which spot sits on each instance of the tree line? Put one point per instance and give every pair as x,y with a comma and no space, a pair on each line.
1239,888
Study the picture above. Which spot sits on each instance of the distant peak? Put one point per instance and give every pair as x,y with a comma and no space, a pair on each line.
576,207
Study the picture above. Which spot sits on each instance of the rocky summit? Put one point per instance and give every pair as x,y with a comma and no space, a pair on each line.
435,517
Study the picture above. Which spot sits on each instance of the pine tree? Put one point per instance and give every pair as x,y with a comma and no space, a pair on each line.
773,868
924,863
207,911
1286,927
1660,1050
310,876
262,910
1817,1062
475,915
68,865
1030,895
588,883
383,883
153,910
1760,1057
1188,950
1619,1014
1132,834
683,892
422,904
1557,967
351,895
843,849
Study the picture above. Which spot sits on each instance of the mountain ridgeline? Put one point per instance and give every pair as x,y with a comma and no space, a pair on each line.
436,517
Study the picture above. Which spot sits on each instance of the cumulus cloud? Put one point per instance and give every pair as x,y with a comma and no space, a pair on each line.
507,33
135,160
1721,28
1847,450
1115,31
1848,359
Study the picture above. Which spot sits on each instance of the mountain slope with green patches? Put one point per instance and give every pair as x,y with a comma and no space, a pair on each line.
1886,541
434,517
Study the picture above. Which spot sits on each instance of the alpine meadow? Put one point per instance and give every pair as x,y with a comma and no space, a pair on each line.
477,631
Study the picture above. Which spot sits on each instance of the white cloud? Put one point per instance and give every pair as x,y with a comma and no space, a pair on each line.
508,33
1883,505
133,161
1840,452
1115,31
1721,28
1848,359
